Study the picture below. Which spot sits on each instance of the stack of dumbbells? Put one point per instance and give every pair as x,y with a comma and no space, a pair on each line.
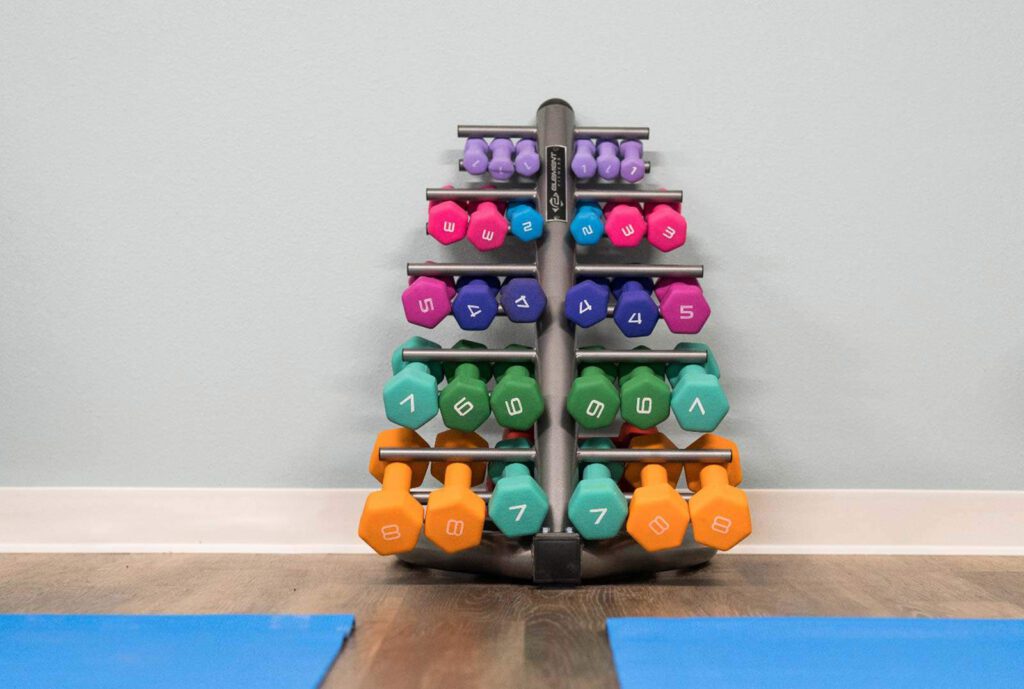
641,497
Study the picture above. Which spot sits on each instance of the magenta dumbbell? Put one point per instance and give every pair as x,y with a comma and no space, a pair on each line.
584,164
624,223
632,153
427,300
476,156
666,226
682,304
488,225
447,221
501,165
527,159
608,159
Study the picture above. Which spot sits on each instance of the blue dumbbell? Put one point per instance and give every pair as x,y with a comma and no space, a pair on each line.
586,302
524,221
475,304
523,299
587,226
636,312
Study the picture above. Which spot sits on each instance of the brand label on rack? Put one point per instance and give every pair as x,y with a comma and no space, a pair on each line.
556,183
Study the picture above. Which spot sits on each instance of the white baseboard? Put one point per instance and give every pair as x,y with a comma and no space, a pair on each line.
244,520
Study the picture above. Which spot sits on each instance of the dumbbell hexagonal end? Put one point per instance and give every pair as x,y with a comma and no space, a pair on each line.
523,299
475,306
517,402
587,226
635,314
597,509
455,519
593,401
666,228
476,156
398,437
720,516
684,307
652,441
410,397
699,403
527,160
488,227
658,517
525,222
645,400
624,224
447,221
391,522
586,303
710,441
464,404
426,301
518,506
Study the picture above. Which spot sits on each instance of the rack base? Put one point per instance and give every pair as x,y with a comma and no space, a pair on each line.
500,556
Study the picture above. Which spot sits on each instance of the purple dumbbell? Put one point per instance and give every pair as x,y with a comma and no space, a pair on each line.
636,312
608,159
476,156
632,167
586,302
522,299
475,304
584,164
501,166
527,160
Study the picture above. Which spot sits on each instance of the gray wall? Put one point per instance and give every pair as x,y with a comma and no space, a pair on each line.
205,209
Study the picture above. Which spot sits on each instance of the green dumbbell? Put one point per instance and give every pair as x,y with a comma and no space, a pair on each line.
518,504
593,398
516,400
597,507
646,395
464,402
698,400
410,396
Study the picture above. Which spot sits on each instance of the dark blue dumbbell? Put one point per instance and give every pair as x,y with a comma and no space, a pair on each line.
586,302
587,226
524,221
523,299
636,312
475,304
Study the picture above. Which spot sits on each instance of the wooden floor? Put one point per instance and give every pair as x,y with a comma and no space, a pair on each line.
417,628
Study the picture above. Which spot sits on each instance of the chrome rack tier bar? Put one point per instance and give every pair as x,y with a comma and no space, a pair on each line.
597,356
510,269
465,131
646,269
622,193
456,454
655,456
459,355
501,194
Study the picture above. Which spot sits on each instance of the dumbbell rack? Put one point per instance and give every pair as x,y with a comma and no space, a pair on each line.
557,555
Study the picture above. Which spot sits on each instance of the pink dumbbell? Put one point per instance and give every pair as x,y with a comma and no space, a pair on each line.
527,159
475,156
447,221
427,300
682,304
501,166
632,154
624,223
488,225
666,226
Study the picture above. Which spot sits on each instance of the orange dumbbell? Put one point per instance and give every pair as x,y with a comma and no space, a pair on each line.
719,510
658,515
392,518
652,441
455,515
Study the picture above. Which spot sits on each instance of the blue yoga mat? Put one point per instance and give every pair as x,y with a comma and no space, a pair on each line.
168,651
835,653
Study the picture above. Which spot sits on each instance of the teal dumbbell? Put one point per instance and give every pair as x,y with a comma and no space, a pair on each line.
597,507
524,221
516,400
645,395
518,505
698,401
464,402
587,226
410,396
